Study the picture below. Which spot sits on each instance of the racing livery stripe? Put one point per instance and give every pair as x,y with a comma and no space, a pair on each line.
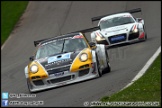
134,27
75,59
42,67
78,36
98,34
142,35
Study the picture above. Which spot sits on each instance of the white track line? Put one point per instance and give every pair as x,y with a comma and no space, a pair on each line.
6,42
144,69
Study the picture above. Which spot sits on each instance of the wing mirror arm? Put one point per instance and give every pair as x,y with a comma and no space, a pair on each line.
92,44
31,58
140,20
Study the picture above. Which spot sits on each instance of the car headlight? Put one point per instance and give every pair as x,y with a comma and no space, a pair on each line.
99,37
83,57
135,30
34,68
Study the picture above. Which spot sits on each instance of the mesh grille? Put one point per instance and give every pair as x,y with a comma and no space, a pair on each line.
58,70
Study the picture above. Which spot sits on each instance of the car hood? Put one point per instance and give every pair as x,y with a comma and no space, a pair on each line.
58,60
117,29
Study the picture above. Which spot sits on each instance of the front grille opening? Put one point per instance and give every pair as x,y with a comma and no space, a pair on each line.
58,70
84,66
61,79
133,36
38,82
35,77
73,76
83,72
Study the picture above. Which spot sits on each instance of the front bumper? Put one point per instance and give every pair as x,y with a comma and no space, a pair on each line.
127,38
63,79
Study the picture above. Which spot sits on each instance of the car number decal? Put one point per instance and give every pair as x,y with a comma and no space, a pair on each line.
58,74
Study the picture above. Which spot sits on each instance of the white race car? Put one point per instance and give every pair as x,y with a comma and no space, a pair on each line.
119,28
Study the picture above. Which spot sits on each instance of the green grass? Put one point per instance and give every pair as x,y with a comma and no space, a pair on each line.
11,12
146,89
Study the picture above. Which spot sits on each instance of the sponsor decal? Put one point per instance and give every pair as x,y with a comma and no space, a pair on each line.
48,42
117,38
56,58
57,62
42,59
126,16
59,74
56,40
77,36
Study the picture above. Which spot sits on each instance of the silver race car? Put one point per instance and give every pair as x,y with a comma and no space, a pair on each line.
64,60
118,28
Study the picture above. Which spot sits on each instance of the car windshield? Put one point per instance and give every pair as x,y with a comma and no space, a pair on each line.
116,21
60,46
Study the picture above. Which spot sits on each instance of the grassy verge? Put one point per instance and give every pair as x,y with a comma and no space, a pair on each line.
145,89
11,11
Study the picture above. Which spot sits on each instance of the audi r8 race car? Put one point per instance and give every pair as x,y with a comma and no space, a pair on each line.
118,28
63,60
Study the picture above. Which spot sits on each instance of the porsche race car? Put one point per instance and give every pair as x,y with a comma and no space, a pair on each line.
64,60
118,28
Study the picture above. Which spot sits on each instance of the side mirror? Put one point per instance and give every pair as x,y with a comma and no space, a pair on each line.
92,44
31,58
140,20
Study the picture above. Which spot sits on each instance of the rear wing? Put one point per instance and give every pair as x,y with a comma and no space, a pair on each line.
129,11
38,41
88,30
82,31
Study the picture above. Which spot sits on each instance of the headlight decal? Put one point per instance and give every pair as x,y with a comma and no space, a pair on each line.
77,62
40,72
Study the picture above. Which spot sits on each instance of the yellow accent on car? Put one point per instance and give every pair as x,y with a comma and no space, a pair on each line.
77,62
41,72
85,40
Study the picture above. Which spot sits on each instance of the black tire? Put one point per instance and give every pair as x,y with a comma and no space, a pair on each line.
108,69
98,66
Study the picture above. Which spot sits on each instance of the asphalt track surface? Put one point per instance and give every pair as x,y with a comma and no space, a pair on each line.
44,19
